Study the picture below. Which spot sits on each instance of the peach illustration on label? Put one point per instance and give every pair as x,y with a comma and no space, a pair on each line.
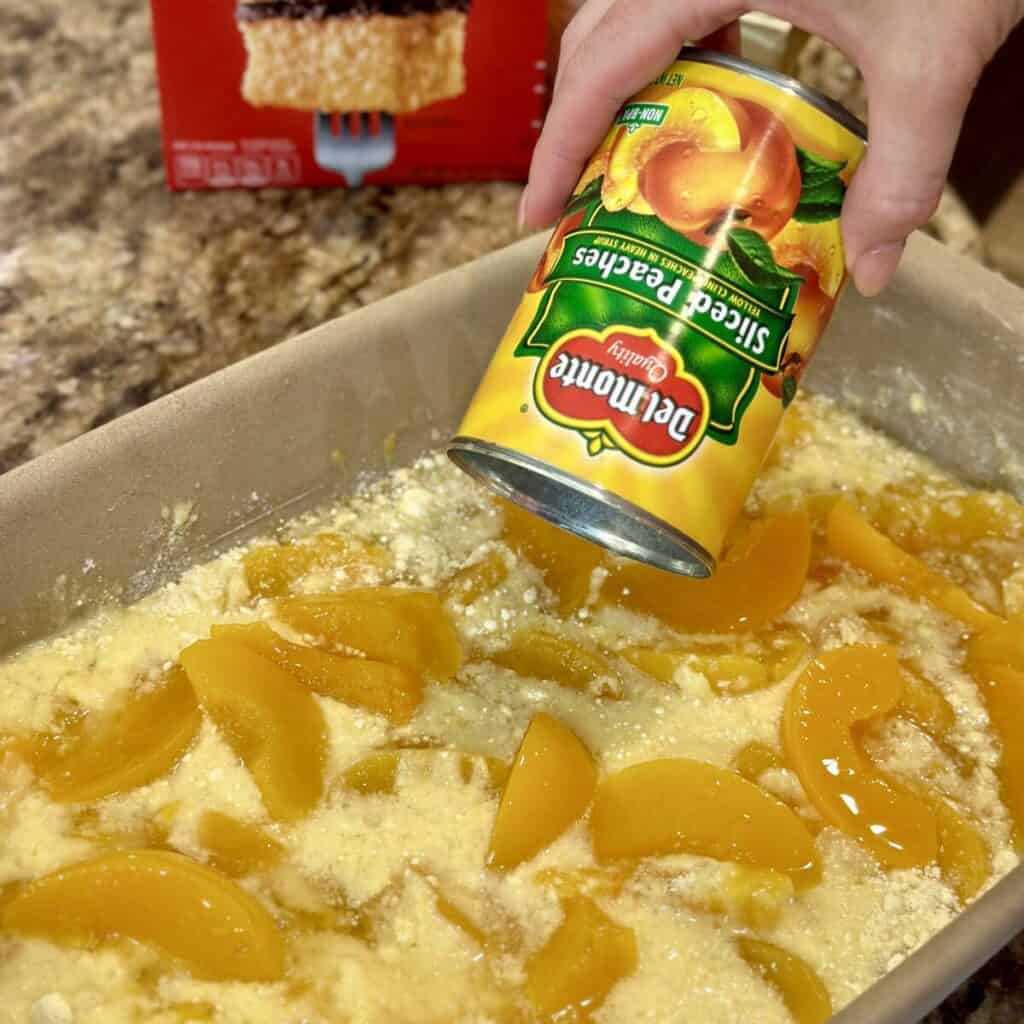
699,120
554,249
699,192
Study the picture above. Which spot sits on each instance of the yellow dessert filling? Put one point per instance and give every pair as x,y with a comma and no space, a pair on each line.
421,757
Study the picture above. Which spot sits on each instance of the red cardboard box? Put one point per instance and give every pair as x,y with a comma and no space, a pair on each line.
283,93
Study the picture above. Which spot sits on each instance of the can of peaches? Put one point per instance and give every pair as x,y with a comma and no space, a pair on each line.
642,379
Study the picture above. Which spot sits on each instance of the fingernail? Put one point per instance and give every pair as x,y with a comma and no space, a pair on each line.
521,216
874,268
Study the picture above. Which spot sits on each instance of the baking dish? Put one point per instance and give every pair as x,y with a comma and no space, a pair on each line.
937,363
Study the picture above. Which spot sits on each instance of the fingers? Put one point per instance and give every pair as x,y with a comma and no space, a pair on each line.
915,123
618,48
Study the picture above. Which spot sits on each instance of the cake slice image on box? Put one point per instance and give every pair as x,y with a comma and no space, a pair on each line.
388,56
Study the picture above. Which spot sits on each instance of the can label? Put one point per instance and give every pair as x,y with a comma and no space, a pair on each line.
680,297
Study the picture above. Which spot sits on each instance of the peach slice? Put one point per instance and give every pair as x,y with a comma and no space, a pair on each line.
755,758
677,805
472,582
272,570
752,897
852,538
566,561
236,847
373,774
377,773
549,787
794,979
965,859
923,704
409,628
726,672
495,770
696,118
760,576
839,689
270,720
185,910
388,690
1002,689
950,520
543,655
119,750
1000,644
571,975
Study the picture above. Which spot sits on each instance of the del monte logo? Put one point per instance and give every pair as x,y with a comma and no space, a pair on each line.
623,389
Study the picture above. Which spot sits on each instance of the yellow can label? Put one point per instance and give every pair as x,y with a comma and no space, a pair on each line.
679,299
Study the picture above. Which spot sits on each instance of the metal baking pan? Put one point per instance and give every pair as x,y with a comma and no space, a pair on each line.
938,364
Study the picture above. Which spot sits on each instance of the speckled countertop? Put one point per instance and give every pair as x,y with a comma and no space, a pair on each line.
113,291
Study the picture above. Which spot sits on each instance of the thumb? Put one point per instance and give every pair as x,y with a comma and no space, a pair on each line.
916,114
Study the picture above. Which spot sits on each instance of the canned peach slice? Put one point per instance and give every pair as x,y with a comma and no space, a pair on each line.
753,897
677,805
836,691
237,847
270,720
919,521
755,758
801,989
964,857
374,774
114,751
377,773
727,672
566,561
472,582
551,656
388,690
852,538
1002,689
272,570
1000,644
693,117
548,789
924,704
214,927
409,628
760,576
572,974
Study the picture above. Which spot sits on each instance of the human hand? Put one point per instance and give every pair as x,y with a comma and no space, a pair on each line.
920,59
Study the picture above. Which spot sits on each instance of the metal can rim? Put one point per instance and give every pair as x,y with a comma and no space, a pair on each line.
819,100
675,551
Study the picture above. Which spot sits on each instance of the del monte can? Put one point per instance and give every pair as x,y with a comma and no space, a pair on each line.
672,314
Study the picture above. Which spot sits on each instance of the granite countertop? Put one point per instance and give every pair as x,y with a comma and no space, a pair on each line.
113,291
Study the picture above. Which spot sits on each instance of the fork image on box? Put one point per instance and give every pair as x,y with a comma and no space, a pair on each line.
364,142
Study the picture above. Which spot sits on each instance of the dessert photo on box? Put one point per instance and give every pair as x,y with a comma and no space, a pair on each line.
291,93
393,56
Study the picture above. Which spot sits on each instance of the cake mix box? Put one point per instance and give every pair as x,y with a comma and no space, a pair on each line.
280,93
